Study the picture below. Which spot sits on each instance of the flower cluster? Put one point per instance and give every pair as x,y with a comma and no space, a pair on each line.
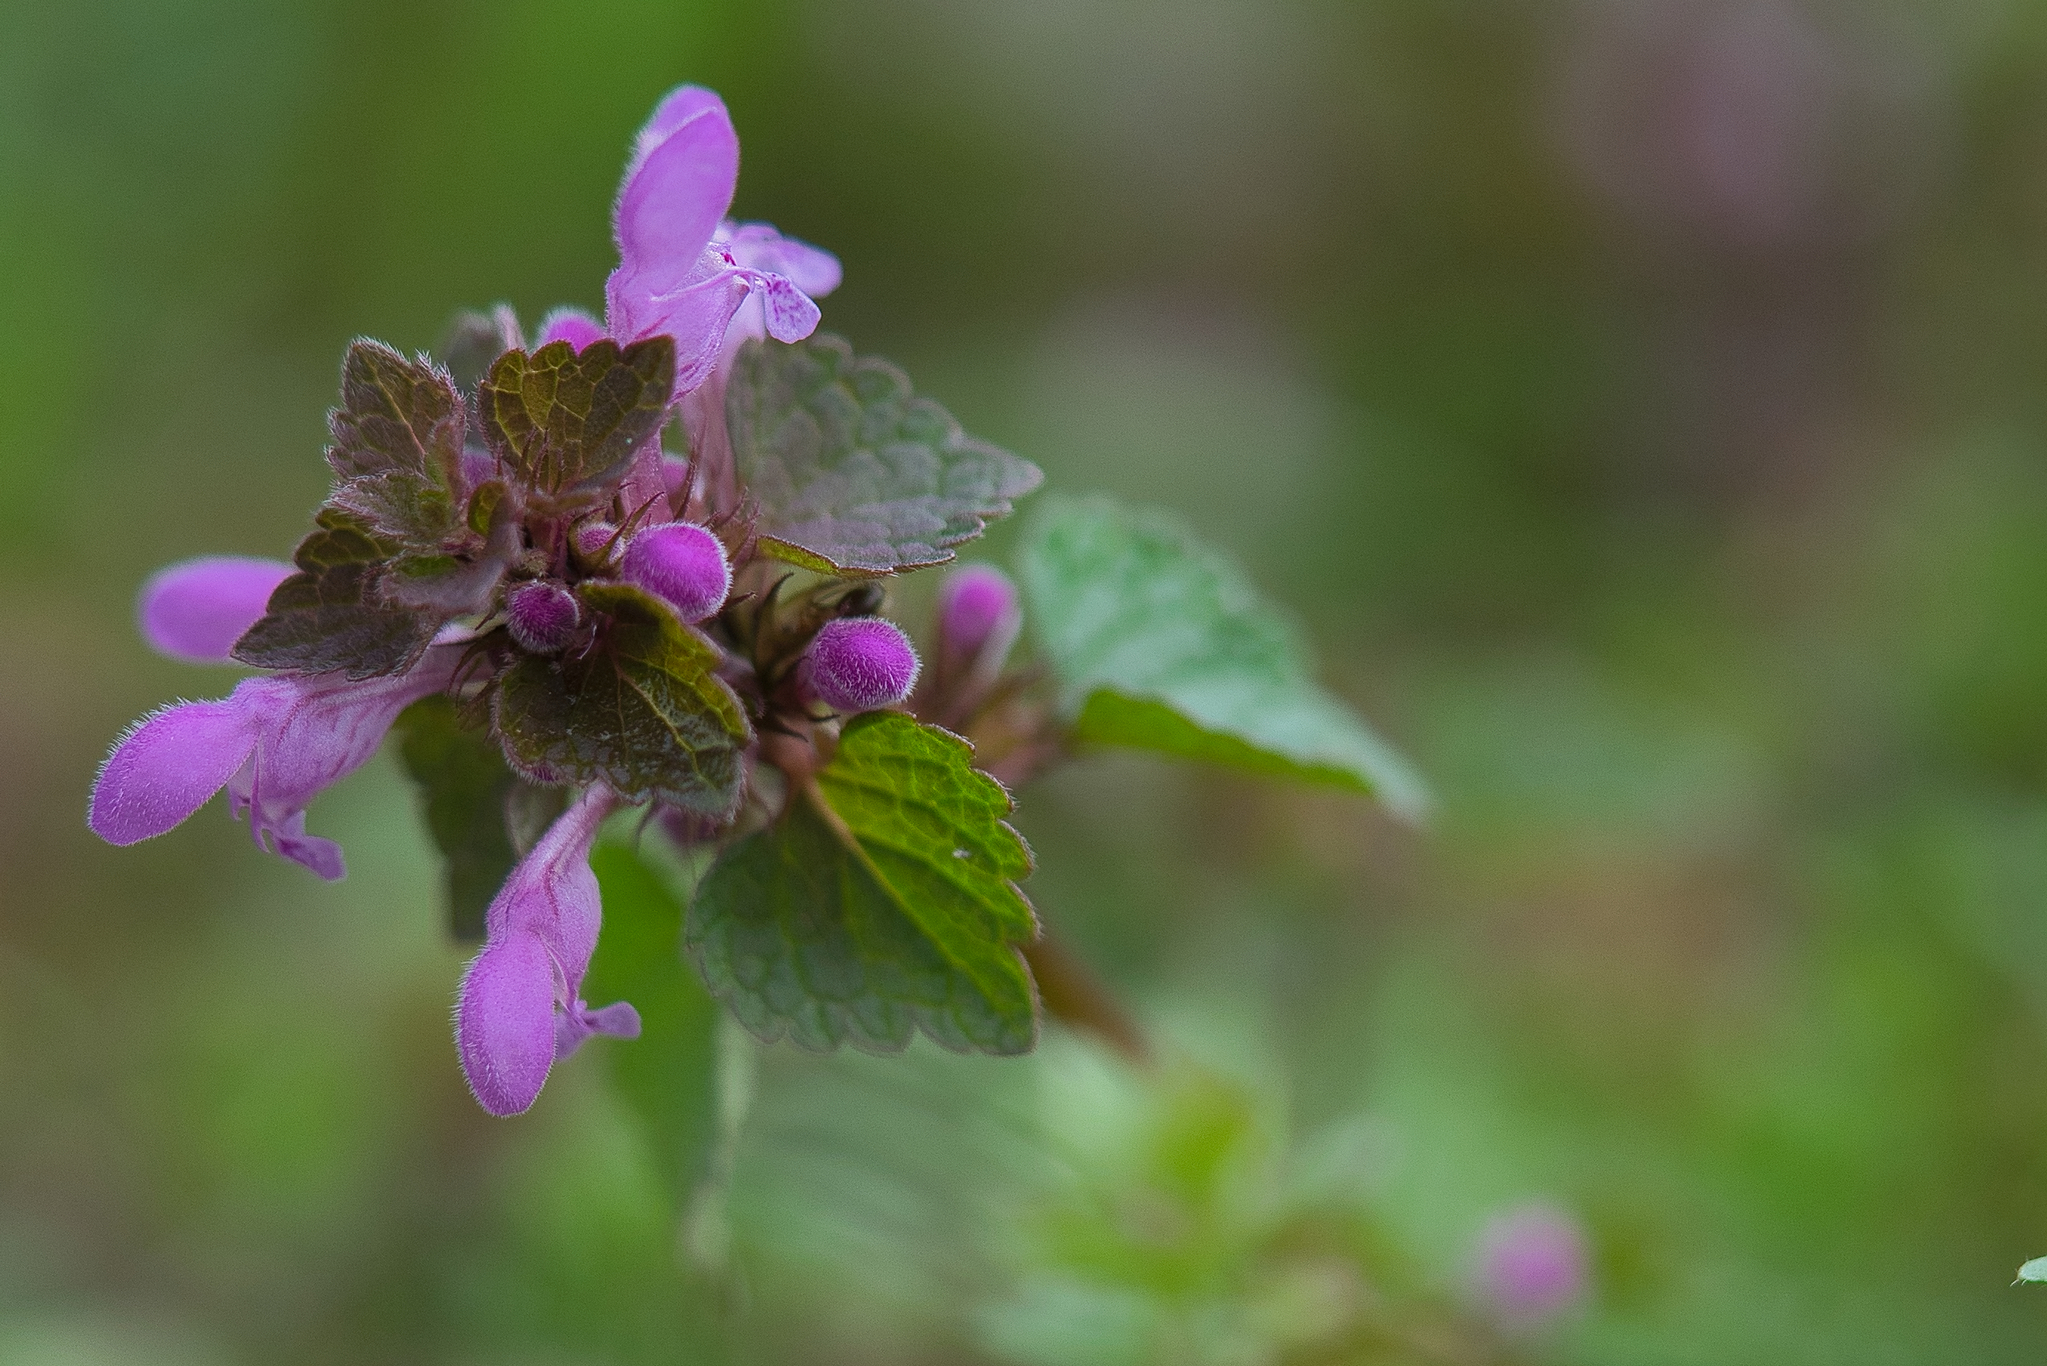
643,563
510,531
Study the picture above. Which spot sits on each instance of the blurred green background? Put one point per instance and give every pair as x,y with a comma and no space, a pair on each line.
1643,401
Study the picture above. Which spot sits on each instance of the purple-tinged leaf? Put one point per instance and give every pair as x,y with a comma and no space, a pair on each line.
330,615
642,712
396,414
852,473
567,422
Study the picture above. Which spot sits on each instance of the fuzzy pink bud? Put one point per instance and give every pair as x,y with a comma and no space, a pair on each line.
859,664
593,538
682,563
542,616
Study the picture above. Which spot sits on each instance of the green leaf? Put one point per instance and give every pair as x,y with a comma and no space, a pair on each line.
2033,1272
642,712
568,422
468,792
330,614
883,901
1160,643
396,415
853,475
666,1077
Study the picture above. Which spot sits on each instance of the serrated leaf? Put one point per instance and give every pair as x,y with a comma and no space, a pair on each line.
330,615
667,1077
568,422
642,711
882,902
396,415
851,472
468,793
1159,643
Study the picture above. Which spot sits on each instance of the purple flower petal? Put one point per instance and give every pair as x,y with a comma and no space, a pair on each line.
791,316
521,999
758,246
683,564
168,767
196,610
571,325
677,107
579,1022
504,1022
676,192
1532,1263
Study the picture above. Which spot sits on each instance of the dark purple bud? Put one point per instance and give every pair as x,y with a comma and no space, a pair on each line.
859,664
1532,1264
542,616
592,538
977,605
682,563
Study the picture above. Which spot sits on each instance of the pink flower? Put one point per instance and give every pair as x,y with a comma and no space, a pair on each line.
520,1007
274,743
684,270
858,664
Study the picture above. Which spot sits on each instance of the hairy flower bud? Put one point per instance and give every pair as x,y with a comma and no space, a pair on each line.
593,538
977,607
542,616
859,664
683,564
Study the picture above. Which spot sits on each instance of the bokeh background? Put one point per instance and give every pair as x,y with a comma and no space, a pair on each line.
1644,403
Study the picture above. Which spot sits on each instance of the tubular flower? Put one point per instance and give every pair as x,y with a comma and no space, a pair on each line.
684,270
520,1006
273,743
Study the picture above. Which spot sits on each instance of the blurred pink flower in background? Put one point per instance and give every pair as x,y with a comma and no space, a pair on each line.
1532,1263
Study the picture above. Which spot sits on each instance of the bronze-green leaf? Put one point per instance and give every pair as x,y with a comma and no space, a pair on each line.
330,615
567,422
642,711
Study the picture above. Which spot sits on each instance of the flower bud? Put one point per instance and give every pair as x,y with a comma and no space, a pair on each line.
977,607
682,563
593,538
859,664
1531,1264
542,616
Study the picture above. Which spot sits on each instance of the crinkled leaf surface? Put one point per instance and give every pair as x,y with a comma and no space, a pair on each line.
1159,643
395,415
641,712
467,790
851,472
667,1076
330,614
884,901
568,421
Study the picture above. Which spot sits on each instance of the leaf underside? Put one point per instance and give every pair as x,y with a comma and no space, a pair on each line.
1159,643
881,903
642,712
568,421
851,472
